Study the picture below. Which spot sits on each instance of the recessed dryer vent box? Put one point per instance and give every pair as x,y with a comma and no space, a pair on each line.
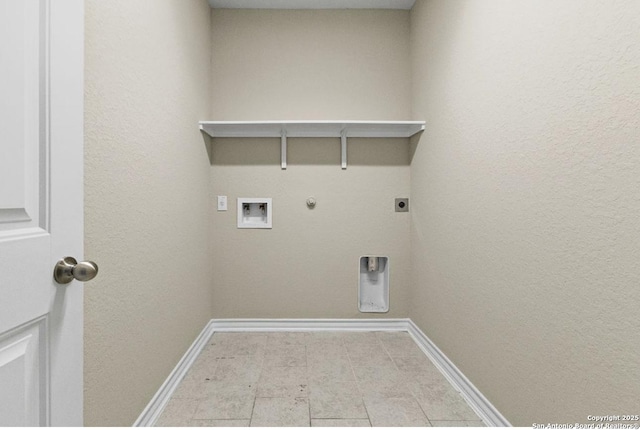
373,288
254,213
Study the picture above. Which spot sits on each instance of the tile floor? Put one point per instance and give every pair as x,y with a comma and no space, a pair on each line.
318,379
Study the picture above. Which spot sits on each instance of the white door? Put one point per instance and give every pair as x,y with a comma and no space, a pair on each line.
41,208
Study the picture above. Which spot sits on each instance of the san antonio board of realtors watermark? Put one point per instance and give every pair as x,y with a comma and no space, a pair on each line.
596,422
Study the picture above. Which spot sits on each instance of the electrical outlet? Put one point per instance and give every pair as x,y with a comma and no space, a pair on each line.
402,205
222,203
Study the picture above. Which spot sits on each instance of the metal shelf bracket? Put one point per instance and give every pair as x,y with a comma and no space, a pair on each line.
343,137
283,149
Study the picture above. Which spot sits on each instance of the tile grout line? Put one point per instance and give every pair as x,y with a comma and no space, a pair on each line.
261,358
412,392
255,396
413,396
198,401
253,409
423,411
355,378
306,373
387,351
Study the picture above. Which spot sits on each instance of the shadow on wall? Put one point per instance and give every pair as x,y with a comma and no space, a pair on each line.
307,151
413,145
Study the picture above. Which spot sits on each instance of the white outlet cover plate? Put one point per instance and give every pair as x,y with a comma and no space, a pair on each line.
222,203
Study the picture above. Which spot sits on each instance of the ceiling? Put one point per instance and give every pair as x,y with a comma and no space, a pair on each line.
312,4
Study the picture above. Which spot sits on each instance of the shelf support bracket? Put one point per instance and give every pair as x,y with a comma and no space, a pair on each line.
343,137
283,150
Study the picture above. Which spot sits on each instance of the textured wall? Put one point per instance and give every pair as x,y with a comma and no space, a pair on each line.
270,65
301,64
147,182
526,194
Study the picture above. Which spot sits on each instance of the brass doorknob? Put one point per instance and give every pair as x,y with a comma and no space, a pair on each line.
68,269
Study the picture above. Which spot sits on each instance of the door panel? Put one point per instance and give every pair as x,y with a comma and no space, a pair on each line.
25,297
25,244
23,180
22,61
23,371
41,140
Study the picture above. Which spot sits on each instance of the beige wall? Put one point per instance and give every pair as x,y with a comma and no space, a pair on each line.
302,64
274,65
522,238
526,194
147,212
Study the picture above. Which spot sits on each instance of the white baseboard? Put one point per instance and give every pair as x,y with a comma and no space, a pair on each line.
310,324
478,402
485,410
152,412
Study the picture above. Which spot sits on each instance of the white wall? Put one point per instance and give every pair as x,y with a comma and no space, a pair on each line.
285,65
146,193
526,194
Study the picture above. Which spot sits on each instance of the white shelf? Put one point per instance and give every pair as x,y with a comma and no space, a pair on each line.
284,129
312,128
